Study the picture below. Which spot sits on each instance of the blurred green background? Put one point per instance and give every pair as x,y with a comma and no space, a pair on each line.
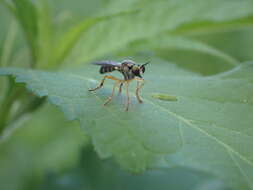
39,148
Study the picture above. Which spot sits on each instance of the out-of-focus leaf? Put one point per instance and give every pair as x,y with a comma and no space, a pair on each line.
181,43
26,14
92,173
8,45
188,53
45,33
43,141
77,9
206,28
6,53
205,129
68,40
234,42
114,34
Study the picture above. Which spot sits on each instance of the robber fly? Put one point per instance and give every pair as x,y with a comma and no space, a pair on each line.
130,71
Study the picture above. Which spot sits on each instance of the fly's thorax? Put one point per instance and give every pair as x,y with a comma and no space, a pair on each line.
126,71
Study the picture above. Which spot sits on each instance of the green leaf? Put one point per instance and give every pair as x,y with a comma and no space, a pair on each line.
114,34
208,128
8,45
92,173
26,14
28,149
176,42
45,33
171,47
67,41
205,27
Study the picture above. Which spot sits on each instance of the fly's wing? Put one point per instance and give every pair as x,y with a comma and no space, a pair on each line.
107,66
107,63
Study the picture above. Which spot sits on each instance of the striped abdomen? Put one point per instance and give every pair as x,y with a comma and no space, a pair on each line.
107,68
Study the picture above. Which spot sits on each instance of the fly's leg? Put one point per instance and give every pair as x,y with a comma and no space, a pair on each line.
99,86
110,97
140,84
120,87
128,98
102,82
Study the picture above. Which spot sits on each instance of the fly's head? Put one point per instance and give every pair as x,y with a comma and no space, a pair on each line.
138,70
131,67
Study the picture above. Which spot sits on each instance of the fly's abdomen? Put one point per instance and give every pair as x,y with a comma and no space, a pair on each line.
106,69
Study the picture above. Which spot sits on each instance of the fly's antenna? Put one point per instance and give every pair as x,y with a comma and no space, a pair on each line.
145,63
142,67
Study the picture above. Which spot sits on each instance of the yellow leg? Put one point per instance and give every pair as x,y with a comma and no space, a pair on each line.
120,87
102,82
128,98
110,97
140,84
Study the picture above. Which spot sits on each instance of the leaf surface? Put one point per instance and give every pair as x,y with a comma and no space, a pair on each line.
208,128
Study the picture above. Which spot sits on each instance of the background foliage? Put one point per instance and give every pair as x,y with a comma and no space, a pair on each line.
200,53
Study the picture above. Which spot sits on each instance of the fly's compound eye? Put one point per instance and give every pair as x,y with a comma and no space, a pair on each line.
142,69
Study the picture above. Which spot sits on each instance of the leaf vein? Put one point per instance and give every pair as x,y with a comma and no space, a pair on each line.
202,131
240,168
